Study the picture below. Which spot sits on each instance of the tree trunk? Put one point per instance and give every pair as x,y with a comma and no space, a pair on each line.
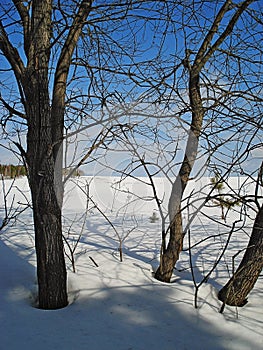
170,255
51,270
44,183
235,292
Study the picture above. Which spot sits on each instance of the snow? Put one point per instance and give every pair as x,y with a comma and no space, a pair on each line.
120,306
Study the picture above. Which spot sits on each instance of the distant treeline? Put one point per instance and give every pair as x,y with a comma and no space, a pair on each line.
11,171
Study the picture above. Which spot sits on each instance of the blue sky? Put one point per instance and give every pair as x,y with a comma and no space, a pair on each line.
172,41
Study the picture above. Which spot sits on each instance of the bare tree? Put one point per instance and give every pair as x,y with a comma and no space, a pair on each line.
44,116
53,52
197,67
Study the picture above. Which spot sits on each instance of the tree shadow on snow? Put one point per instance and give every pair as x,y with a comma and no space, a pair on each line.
17,276
118,307
145,316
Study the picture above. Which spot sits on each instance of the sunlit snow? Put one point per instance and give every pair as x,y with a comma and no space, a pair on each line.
119,305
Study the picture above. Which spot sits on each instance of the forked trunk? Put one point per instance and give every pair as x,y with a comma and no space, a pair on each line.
235,292
44,113
43,162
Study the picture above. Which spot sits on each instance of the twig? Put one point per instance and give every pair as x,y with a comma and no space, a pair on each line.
94,262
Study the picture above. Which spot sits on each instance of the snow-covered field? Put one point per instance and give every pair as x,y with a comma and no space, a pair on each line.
119,305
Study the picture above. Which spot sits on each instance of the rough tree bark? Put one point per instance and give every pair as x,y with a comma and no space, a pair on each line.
51,270
236,290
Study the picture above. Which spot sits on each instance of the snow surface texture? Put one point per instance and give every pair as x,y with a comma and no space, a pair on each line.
120,306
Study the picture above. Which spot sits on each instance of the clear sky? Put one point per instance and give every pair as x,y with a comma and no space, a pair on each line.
166,34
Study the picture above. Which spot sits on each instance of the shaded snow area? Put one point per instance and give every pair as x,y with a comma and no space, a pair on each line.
119,305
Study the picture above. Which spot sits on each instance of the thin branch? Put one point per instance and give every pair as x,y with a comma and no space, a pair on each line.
24,15
96,144
227,31
199,60
11,54
12,110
